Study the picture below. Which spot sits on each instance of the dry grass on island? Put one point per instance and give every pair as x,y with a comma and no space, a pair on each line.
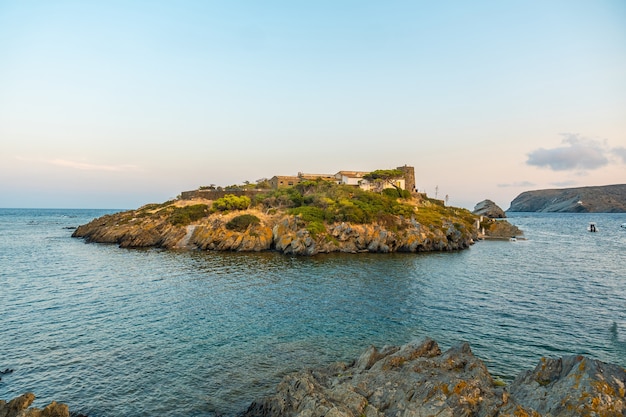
309,218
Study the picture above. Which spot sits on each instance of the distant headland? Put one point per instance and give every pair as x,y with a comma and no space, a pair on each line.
599,199
351,211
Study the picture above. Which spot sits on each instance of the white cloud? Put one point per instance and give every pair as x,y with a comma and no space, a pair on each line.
620,153
81,165
518,184
577,153
86,166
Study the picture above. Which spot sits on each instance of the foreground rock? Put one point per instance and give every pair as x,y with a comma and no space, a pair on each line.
420,380
18,407
489,209
603,199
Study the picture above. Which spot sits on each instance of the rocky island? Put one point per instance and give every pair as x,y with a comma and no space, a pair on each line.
601,199
311,217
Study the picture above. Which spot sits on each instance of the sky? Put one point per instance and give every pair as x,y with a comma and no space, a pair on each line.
115,104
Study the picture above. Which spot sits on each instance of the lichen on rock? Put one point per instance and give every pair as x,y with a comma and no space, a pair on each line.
430,228
19,407
417,379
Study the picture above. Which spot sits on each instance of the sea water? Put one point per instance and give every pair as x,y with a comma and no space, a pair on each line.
145,332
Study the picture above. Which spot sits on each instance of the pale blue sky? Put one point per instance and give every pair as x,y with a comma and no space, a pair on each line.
114,104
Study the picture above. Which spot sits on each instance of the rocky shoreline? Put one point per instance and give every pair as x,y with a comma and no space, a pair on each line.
418,379
286,233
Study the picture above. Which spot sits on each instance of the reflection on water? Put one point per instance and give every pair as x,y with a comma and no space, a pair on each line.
145,332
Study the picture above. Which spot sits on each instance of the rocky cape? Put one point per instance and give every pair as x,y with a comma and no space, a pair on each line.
417,380
151,226
601,199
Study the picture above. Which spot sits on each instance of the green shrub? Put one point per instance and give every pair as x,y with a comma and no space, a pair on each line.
396,193
323,201
241,223
182,216
315,228
313,217
391,193
280,198
295,196
231,202
309,213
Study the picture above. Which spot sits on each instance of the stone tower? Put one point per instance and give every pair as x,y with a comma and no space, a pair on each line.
409,178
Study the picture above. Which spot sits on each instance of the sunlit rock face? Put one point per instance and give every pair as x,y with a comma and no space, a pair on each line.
417,379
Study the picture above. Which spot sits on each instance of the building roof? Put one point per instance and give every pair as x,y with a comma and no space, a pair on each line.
284,177
353,174
314,176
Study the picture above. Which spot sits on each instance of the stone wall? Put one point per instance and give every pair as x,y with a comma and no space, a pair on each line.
409,178
280,181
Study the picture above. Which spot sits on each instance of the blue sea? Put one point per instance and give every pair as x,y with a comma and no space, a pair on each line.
145,332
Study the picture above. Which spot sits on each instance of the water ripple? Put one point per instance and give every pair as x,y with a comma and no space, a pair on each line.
147,332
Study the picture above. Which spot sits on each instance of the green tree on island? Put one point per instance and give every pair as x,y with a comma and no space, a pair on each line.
385,176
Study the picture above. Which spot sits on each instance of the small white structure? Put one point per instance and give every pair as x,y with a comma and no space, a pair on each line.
350,177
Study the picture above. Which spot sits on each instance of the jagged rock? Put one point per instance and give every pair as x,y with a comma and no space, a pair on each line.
500,229
419,380
18,407
412,380
570,386
489,209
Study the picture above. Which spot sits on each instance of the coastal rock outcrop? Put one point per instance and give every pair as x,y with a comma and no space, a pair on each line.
489,209
19,407
602,199
499,229
417,379
283,232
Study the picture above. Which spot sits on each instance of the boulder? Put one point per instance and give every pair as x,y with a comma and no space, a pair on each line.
489,209
18,407
412,380
417,379
570,386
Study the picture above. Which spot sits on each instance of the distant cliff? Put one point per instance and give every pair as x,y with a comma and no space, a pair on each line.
602,199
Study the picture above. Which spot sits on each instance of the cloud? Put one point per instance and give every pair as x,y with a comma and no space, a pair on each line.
85,166
518,184
562,184
82,166
577,153
620,153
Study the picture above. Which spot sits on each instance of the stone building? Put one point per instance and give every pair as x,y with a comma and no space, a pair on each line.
409,178
406,182
280,181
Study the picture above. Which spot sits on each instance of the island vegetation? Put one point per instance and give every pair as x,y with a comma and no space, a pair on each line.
311,217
